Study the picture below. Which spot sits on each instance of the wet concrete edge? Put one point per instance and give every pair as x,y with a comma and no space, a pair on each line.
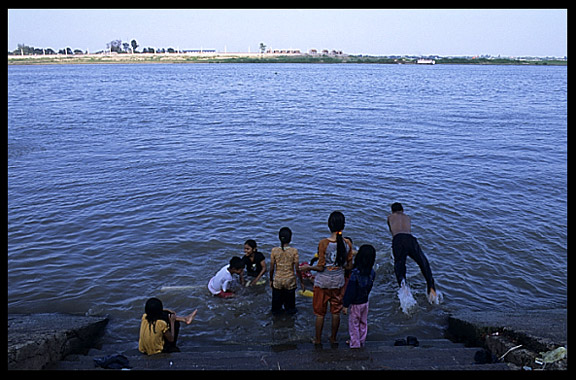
37,340
502,332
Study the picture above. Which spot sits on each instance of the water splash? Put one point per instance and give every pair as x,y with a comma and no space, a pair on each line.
407,301
436,299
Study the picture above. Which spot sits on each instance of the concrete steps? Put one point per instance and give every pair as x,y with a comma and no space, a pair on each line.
432,354
52,341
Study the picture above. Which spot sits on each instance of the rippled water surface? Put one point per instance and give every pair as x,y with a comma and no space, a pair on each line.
124,179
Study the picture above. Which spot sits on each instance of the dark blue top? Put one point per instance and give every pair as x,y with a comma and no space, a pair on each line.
253,268
358,288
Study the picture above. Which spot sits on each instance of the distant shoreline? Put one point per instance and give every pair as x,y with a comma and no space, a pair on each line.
255,58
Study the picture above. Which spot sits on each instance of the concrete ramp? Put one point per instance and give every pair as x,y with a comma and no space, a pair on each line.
37,340
431,354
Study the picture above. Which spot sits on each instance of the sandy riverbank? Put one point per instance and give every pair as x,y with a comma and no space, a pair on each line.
208,57
214,57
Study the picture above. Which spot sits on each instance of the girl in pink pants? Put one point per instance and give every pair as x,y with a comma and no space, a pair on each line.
356,295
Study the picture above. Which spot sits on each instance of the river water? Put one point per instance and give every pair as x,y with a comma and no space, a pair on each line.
127,179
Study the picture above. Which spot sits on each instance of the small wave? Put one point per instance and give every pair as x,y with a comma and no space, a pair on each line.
16,149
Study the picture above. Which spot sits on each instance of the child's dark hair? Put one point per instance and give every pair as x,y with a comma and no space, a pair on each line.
364,260
236,263
336,223
396,206
153,310
252,244
285,236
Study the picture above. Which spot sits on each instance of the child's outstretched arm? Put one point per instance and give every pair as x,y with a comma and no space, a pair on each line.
319,267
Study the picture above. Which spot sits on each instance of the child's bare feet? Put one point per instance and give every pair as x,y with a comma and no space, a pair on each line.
433,297
190,317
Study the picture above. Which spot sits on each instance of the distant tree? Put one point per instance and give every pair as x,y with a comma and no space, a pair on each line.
262,47
134,45
115,46
29,50
24,50
66,51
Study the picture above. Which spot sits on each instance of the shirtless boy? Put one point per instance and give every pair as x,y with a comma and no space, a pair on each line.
403,245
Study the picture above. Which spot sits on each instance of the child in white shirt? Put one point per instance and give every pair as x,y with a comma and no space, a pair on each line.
220,284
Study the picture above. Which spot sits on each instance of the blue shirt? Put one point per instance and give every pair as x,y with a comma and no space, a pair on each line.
358,288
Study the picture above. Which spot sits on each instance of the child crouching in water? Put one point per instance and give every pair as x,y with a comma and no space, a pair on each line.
222,284
159,328
356,295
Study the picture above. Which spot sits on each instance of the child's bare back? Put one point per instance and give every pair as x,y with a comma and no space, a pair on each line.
399,223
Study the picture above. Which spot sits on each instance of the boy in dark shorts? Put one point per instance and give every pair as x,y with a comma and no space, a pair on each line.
403,245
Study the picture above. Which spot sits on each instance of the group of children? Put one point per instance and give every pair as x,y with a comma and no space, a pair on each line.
343,280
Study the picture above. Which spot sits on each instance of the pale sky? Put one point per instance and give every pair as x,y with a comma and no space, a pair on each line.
514,32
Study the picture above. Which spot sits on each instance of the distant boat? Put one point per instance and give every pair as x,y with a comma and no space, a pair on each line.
426,62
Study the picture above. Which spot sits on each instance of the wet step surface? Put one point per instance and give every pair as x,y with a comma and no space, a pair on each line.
432,354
